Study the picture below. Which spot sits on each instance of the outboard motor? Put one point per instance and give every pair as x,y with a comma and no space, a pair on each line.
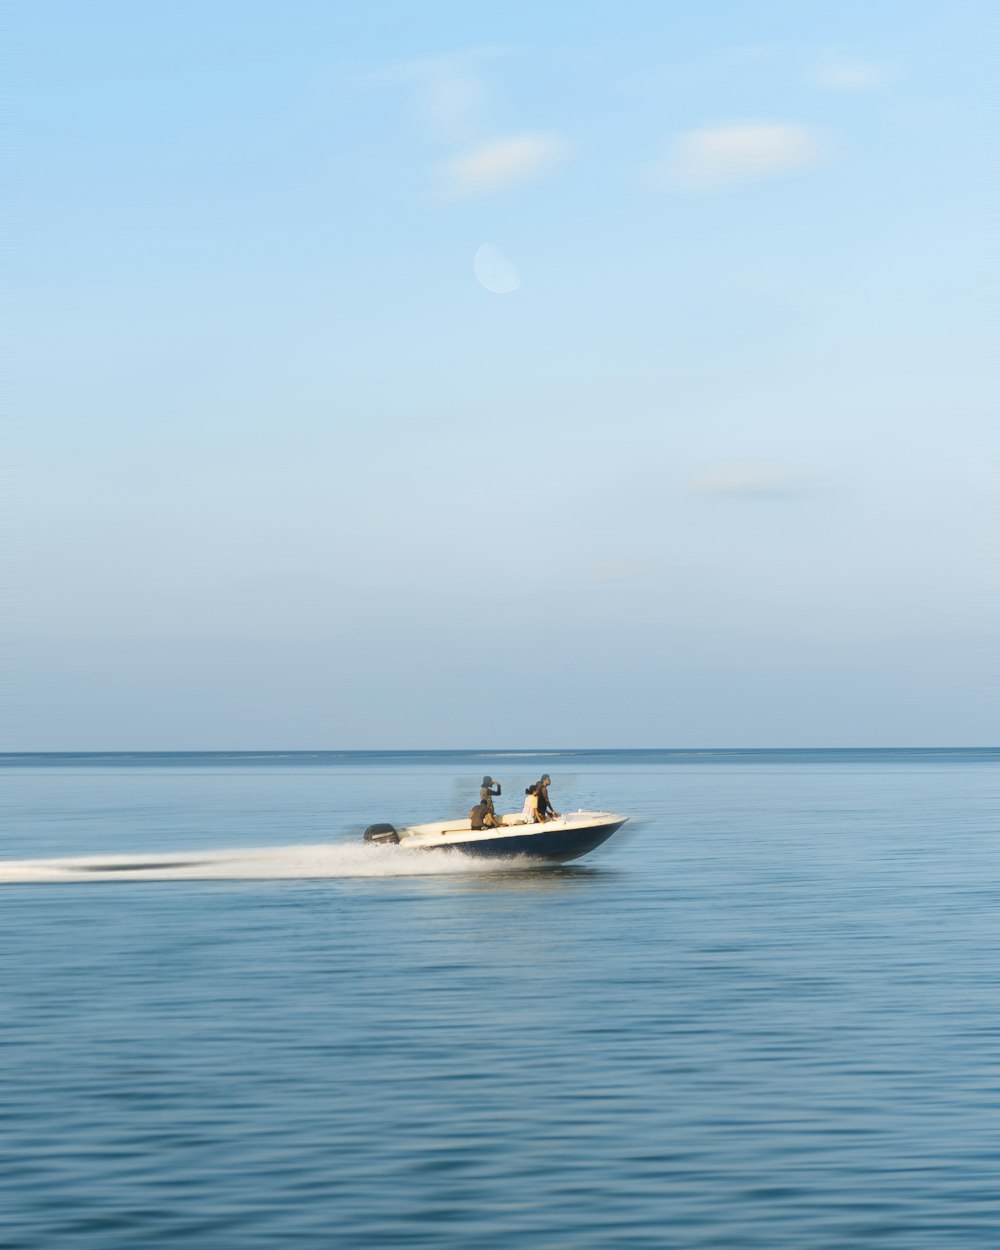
382,833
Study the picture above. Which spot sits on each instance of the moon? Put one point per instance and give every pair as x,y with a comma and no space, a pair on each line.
494,271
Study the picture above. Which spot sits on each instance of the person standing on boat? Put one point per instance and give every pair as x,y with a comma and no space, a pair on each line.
545,809
489,790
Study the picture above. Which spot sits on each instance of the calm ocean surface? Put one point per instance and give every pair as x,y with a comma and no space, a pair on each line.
766,1014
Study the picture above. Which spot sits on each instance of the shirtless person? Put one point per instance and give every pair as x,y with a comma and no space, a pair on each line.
545,809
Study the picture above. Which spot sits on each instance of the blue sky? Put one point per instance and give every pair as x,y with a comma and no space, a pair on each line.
717,465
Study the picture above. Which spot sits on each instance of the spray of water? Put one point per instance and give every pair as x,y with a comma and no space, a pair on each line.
251,863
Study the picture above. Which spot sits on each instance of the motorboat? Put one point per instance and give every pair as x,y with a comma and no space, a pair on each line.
553,841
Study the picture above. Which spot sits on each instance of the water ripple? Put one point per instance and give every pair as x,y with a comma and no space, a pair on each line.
770,1021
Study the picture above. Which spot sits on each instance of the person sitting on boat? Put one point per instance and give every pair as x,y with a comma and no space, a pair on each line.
545,809
529,812
481,818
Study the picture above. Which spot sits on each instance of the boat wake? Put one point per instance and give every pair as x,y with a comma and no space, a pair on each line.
252,863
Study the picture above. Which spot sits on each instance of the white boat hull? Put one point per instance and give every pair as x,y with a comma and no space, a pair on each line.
552,842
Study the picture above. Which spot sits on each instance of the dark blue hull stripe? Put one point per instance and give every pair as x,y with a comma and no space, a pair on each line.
556,847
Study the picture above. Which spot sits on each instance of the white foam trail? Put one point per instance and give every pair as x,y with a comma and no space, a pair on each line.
251,863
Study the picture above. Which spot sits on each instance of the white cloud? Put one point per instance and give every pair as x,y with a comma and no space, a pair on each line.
752,479
719,156
451,106
503,163
850,75
447,91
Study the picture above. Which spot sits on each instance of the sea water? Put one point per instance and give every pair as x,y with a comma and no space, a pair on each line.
765,1014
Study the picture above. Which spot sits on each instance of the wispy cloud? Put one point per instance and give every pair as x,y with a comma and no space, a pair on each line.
447,92
752,479
451,106
503,163
842,75
448,99
721,156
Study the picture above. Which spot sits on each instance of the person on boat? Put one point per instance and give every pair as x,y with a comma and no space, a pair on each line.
488,791
545,809
480,818
529,812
